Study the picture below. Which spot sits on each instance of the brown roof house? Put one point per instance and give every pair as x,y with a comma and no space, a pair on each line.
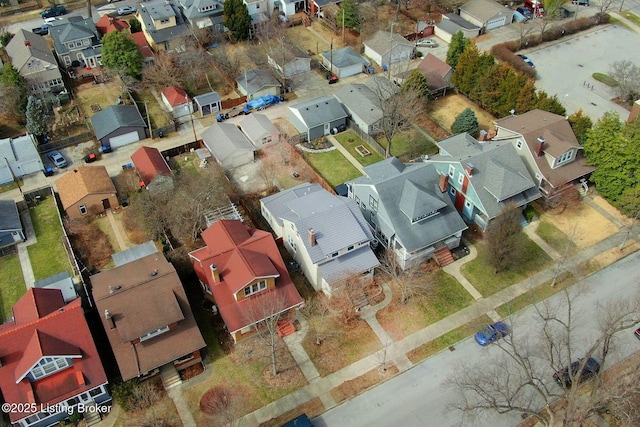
437,72
153,169
86,190
549,148
146,314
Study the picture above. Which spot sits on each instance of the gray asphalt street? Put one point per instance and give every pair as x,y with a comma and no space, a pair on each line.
419,397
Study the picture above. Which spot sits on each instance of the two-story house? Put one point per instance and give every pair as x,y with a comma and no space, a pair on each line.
146,314
242,271
163,25
326,234
483,177
407,208
30,54
76,39
259,13
549,148
49,361
203,13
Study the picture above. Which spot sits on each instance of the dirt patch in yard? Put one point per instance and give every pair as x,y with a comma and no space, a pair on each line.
612,211
445,110
582,224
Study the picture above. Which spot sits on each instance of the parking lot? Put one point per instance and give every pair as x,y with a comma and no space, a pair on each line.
566,68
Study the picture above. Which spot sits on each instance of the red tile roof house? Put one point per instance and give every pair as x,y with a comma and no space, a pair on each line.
48,359
241,270
146,315
151,166
177,101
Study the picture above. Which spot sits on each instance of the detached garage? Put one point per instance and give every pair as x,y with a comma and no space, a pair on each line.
118,125
486,14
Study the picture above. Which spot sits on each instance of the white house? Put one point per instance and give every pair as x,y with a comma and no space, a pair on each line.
21,155
486,14
229,146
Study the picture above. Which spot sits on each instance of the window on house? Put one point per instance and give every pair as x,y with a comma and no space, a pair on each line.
83,209
350,248
467,204
460,178
292,243
519,144
155,333
256,287
452,171
86,42
452,191
373,202
363,206
49,365
565,157
357,199
164,21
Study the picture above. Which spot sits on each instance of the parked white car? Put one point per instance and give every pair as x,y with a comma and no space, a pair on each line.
427,43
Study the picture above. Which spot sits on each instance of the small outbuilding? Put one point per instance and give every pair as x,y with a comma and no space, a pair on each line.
257,83
486,14
11,232
451,24
289,61
118,125
177,101
208,103
317,117
259,129
386,48
343,62
229,146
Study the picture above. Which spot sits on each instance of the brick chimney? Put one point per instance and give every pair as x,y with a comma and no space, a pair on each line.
541,142
444,182
312,237
110,320
215,273
469,169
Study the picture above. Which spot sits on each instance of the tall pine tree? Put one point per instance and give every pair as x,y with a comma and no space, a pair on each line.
237,19
458,45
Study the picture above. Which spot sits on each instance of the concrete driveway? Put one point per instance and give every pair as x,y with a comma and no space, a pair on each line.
566,68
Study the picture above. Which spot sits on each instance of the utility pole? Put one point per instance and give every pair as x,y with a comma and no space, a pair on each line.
146,110
331,59
193,126
342,26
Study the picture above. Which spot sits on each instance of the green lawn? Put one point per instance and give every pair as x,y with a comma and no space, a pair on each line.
446,298
332,166
48,256
555,238
350,141
479,272
447,340
12,285
631,17
604,78
410,145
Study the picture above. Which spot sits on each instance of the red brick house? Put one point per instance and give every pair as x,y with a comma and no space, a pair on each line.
49,360
239,269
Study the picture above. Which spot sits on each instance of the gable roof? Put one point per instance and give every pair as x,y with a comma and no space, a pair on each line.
200,8
151,11
558,139
253,81
360,100
25,47
115,117
382,42
9,216
176,96
71,29
256,125
142,296
150,163
45,326
143,45
207,98
289,53
318,111
398,210
224,139
433,64
344,57
78,183
61,281
107,23
484,10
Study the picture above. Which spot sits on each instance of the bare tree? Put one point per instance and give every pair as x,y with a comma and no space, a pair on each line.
224,402
503,238
164,72
321,318
227,61
264,310
518,380
146,412
404,281
627,74
620,396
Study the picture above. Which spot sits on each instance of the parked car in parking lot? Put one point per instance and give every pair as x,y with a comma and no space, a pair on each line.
57,159
56,10
126,10
427,43
491,333
90,158
527,61
590,370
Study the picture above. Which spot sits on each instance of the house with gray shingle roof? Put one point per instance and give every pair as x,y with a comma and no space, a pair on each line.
451,24
229,145
30,54
408,211
259,129
289,61
11,232
21,155
257,83
317,117
76,39
386,48
203,13
483,177
487,14
118,125
343,62
326,234
163,25
208,102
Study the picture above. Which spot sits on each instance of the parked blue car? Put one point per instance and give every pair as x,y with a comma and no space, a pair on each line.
492,333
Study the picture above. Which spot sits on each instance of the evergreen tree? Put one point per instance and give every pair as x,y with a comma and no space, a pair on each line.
509,88
580,123
237,19
466,121
13,90
134,25
612,147
417,82
465,75
459,43
36,117
121,54
350,13
550,104
527,98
